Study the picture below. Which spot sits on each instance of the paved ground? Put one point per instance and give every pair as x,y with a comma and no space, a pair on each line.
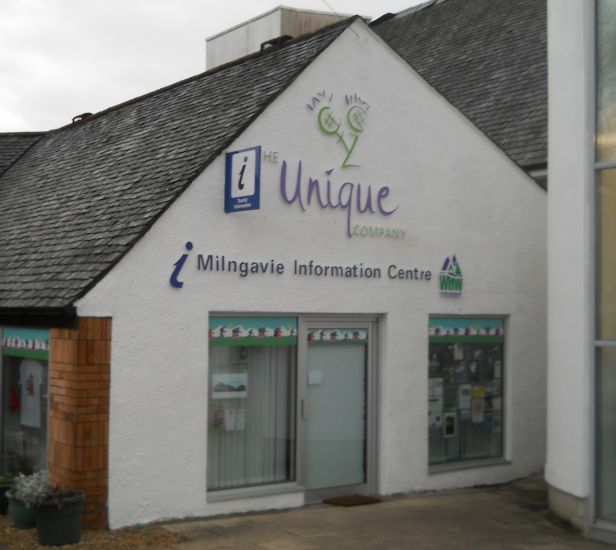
512,516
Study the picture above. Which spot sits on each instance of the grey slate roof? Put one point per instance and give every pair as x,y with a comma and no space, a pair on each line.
78,199
12,145
489,59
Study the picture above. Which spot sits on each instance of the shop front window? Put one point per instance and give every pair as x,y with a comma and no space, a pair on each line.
24,366
251,405
465,389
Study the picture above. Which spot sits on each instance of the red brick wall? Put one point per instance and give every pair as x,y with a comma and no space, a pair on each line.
79,413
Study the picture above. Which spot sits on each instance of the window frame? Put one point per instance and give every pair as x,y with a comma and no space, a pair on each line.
502,459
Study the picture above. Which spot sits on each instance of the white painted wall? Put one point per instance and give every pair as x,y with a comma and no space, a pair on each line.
569,441
456,192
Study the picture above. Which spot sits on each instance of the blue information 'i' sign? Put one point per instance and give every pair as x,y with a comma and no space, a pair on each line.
242,175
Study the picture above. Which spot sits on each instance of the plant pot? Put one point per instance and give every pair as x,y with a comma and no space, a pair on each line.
4,503
22,516
58,526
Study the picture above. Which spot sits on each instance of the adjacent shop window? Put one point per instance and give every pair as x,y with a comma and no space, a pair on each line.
251,405
24,400
465,389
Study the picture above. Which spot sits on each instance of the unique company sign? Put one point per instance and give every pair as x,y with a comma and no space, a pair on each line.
342,119
242,179
351,198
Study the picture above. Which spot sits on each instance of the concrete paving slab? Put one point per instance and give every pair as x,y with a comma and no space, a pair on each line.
509,517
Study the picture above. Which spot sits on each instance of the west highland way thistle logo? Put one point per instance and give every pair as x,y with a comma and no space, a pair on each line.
346,128
451,277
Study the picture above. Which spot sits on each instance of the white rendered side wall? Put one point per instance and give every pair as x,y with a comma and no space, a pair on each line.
569,443
455,192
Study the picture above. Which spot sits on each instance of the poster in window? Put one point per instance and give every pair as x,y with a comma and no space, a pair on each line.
435,412
449,425
464,396
451,398
229,385
477,411
435,387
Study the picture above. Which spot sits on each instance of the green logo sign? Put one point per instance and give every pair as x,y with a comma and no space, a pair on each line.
451,277
345,123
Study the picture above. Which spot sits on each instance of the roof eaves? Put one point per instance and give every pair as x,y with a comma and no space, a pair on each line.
61,317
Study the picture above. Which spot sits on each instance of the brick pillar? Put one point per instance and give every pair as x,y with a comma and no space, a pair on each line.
79,413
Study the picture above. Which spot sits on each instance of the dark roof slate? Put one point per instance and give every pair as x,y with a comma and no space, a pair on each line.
77,200
489,59
12,145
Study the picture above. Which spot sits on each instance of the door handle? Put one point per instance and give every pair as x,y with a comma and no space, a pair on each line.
305,410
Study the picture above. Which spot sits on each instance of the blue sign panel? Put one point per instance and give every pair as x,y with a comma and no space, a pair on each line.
242,178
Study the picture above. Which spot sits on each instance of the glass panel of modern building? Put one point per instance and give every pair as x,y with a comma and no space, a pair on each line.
251,405
24,362
465,389
606,441
606,255
606,80
605,263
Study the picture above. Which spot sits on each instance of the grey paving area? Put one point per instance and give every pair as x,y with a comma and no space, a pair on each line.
512,516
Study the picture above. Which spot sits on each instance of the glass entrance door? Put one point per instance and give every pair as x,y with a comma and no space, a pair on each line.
335,409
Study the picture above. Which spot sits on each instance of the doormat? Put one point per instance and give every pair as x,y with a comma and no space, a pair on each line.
352,500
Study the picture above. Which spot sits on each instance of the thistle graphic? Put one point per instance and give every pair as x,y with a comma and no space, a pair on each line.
346,129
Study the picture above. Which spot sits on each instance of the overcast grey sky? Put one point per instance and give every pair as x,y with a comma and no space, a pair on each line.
60,58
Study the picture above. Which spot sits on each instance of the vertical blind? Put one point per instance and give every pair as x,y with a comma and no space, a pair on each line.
251,435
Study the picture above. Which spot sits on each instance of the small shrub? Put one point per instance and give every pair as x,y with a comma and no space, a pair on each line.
35,491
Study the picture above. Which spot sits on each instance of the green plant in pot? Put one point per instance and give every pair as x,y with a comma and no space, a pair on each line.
57,510
6,481
22,515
